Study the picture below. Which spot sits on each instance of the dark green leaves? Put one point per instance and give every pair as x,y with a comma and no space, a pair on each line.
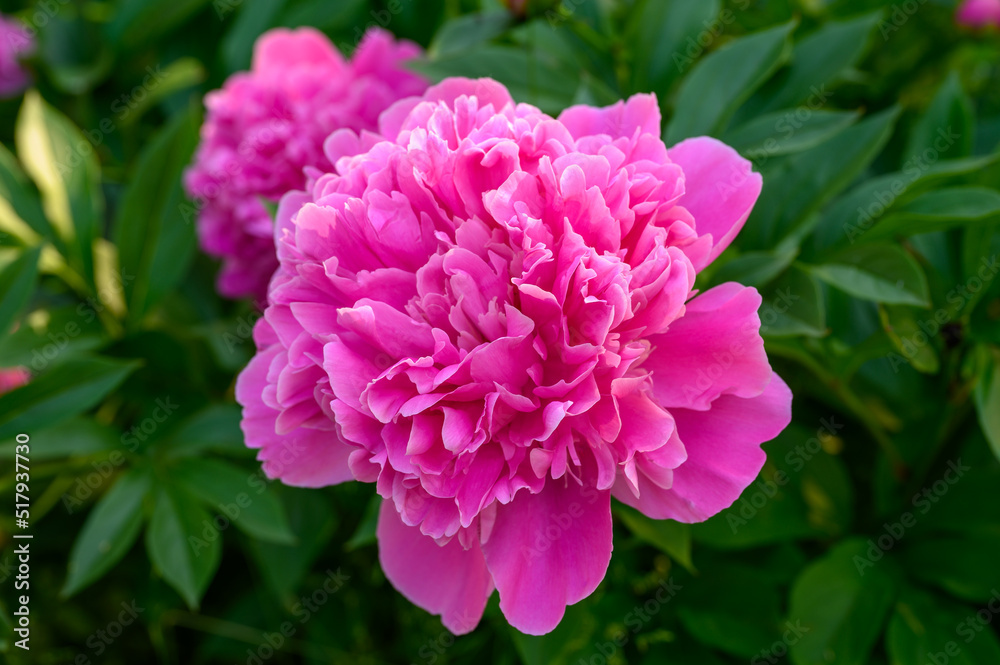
945,129
877,272
939,210
666,37
987,400
183,544
66,390
17,282
789,131
818,59
111,528
925,626
153,237
797,186
63,164
673,538
725,79
537,78
244,498
470,30
841,607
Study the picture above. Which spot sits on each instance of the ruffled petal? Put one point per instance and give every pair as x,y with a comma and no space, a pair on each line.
447,580
720,190
714,349
549,550
723,455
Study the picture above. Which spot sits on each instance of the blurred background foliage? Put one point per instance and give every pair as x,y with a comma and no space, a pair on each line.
873,533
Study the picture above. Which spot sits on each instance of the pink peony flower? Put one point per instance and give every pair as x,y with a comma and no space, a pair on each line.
15,44
265,126
490,314
979,13
12,378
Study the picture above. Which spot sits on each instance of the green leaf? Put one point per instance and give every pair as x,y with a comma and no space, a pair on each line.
755,269
139,22
663,39
469,30
962,564
21,212
111,528
341,16
215,429
561,645
793,305
987,399
841,609
154,240
531,77
244,498
923,624
819,59
720,83
938,210
788,131
947,125
75,437
798,186
17,283
283,567
728,626
66,390
183,544
365,533
802,492
63,164
852,215
253,19
902,325
878,272
673,538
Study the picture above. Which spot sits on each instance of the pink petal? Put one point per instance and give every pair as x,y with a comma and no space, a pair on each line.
720,190
302,457
447,580
724,455
714,349
549,550
281,48
618,120
977,13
